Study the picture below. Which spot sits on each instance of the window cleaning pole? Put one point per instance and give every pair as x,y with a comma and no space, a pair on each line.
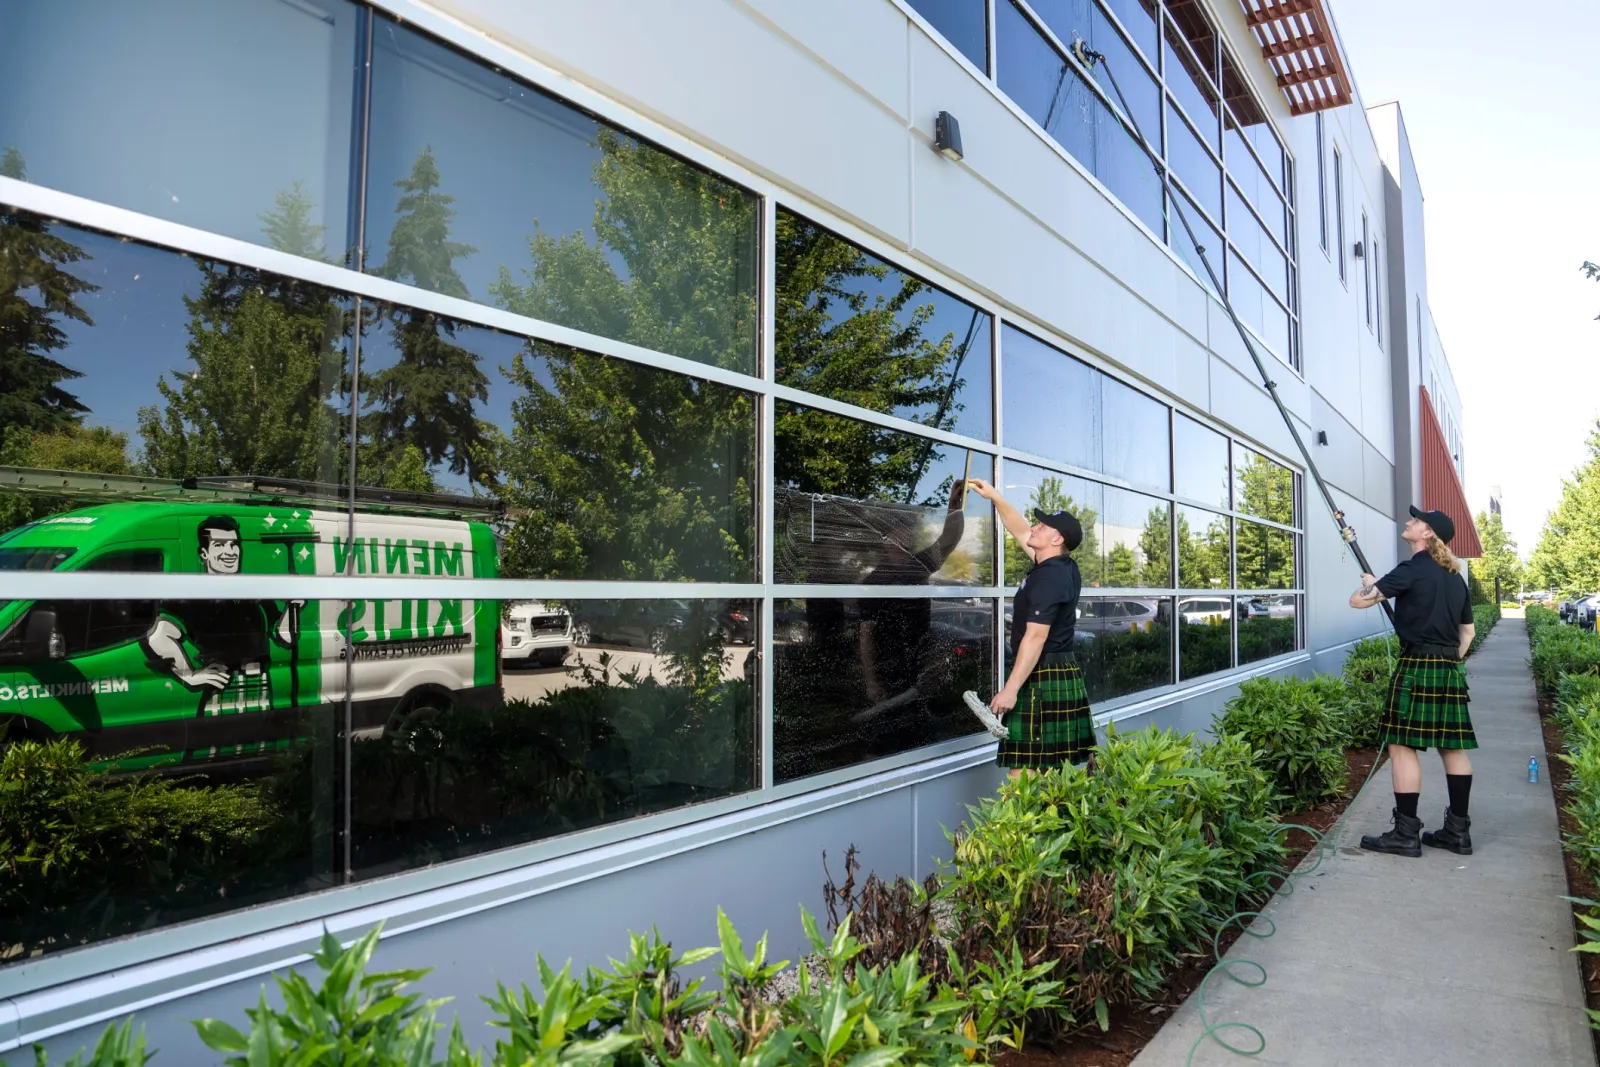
1086,58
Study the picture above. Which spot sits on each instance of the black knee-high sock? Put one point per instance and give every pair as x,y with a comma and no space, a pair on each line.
1406,803
1460,786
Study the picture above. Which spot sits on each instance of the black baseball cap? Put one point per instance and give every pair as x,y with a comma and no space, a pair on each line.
1063,522
1442,524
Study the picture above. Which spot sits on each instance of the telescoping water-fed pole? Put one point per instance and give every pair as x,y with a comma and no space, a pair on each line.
1087,58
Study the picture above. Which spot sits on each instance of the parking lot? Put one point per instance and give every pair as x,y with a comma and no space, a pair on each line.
531,683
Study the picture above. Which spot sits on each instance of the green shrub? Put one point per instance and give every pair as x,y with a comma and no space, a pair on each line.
1299,735
1484,616
1367,669
1578,712
1559,650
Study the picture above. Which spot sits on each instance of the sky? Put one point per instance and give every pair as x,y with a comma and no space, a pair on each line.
1504,120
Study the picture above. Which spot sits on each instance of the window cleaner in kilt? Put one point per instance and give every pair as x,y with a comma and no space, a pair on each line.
1427,703
1044,702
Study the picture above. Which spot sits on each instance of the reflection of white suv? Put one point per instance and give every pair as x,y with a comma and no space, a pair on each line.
534,631
1205,610
1115,615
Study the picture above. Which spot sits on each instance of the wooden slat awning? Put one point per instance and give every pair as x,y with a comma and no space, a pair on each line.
1441,485
1297,41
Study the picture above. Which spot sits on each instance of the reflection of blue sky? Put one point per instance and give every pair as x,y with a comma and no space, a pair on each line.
1136,436
1052,402
1201,458
190,110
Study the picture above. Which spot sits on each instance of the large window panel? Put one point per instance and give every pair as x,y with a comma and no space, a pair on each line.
1137,437
487,189
854,328
123,359
654,710
1136,543
1051,401
1084,20
1189,76
105,101
1205,635
858,503
1261,487
1030,487
1266,556
1204,550
1208,237
599,468
1202,471
1267,627
1139,17
964,23
859,679
1257,306
1194,167
1124,645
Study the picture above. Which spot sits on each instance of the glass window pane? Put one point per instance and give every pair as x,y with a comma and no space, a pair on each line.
1138,17
1201,453
856,680
1135,534
593,467
1266,627
654,709
1257,306
1052,401
1137,437
855,328
964,24
244,697
483,188
1124,646
1205,636
1203,549
1124,168
1072,20
262,154
1261,487
1194,167
146,362
858,503
1030,487
1189,79
1266,557
1183,209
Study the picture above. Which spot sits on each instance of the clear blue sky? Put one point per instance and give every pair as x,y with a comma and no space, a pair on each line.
1504,117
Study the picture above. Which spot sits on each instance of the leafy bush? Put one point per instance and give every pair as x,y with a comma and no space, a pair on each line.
1578,713
1484,616
1366,673
1559,650
1298,727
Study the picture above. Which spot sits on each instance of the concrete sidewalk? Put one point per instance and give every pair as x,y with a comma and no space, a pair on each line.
1448,960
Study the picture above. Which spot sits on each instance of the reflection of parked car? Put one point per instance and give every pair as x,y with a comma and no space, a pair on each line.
649,623
1253,608
1278,607
1115,615
1205,610
535,632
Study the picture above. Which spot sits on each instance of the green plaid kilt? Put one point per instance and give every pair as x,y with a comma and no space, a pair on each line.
1050,726
1427,705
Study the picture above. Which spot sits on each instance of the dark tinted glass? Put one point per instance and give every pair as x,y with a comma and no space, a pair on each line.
1201,457
1135,537
852,327
121,359
483,188
1261,487
1124,645
1052,402
591,467
1266,557
1028,488
1266,627
615,709
858,503
263,155
1205,636
1209,239
1189,75
857,680
244,698
1189,160
1203,549
1137,437
964,24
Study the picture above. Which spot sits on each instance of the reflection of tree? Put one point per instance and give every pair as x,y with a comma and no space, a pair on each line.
1266,490
1155,540
80,448
621,471
1266,557
290,229
424,401
1050,496
672,267
37,294
1203,555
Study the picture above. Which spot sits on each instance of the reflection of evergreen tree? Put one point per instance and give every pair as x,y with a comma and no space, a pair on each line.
289,228
1121,568
258,400
672,267
1203,555
1266,558
37,294
1050,496
1155,541
425,400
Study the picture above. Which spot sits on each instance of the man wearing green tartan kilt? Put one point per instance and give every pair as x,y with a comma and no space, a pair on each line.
1427,702
1044,701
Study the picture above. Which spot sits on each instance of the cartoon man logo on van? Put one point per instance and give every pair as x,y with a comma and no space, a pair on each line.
229,638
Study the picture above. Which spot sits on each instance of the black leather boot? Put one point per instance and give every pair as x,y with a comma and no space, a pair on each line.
1403,840
1456,834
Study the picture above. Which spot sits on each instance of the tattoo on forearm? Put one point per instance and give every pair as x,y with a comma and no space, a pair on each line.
1369,591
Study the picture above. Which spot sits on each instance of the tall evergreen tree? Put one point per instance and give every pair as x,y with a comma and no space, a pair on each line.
1499,559
1568,554
424,401
38,293
289,228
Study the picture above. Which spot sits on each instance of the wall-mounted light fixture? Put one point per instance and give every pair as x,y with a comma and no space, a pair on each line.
947,136
1360,249
1322,437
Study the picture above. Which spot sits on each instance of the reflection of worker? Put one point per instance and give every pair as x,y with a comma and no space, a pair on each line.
1427,705
229,636
1045,703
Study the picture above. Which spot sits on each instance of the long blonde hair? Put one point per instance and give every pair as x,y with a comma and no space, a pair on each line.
1442,555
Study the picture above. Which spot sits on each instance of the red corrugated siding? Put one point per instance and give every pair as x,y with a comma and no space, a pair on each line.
1441,486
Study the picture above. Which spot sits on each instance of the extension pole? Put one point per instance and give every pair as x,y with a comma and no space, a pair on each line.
1087,57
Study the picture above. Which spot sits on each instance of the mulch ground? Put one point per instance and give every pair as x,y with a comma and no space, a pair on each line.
1134,1025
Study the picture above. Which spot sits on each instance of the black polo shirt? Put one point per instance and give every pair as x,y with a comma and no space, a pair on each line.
1049,595
1430,603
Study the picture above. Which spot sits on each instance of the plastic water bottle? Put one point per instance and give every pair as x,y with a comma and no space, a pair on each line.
1533,769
